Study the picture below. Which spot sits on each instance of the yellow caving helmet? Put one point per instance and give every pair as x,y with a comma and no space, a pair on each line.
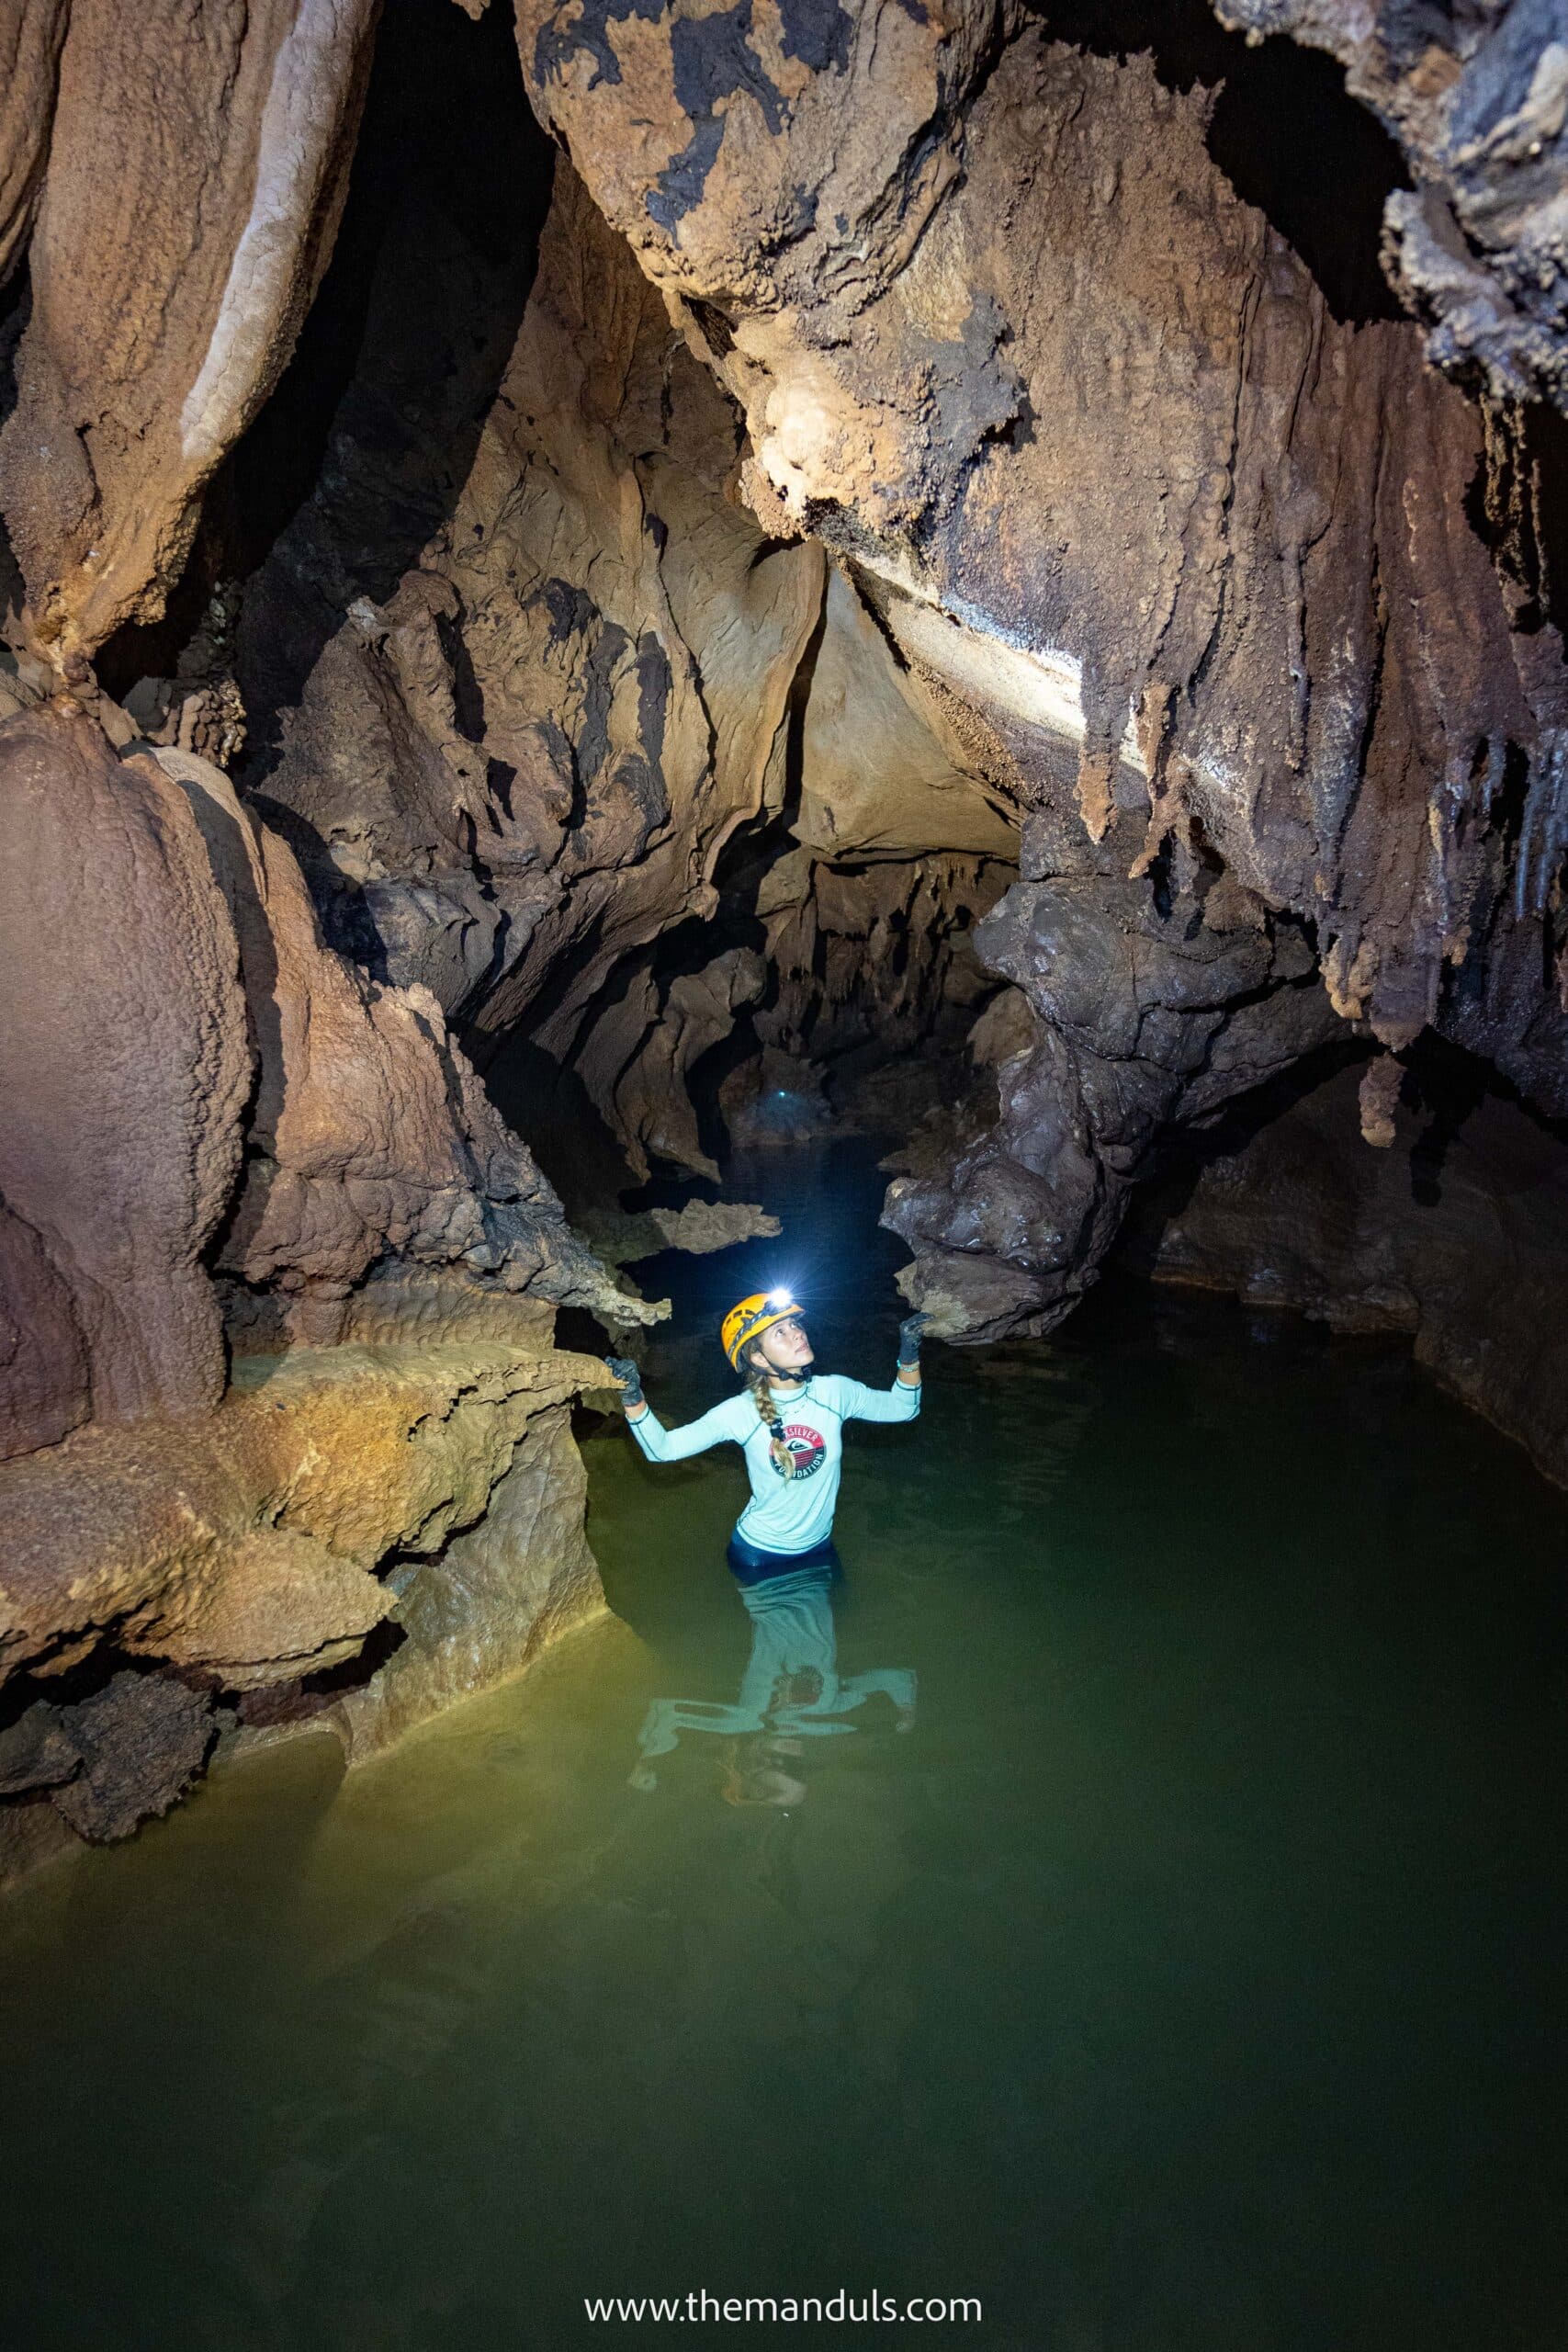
750,1318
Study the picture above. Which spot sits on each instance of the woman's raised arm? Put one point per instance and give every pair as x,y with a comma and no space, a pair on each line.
659,1444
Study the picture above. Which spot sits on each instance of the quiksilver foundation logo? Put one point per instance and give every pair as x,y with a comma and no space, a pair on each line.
806,1445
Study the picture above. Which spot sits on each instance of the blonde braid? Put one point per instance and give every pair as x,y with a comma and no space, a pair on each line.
768,1414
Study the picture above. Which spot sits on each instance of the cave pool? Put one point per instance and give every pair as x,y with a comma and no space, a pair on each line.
1169,1950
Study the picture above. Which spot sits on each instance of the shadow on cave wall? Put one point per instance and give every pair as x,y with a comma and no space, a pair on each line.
358,456
16,298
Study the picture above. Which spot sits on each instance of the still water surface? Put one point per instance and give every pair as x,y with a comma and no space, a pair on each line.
1136,1898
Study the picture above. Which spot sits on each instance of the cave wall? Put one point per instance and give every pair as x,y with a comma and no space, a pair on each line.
525,730
279,1288
1478,99
196,163
568,751
1449,1235
501,688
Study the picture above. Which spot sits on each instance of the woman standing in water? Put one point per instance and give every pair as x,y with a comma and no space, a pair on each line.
788,1423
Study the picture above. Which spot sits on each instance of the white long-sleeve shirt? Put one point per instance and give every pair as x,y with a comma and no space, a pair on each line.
785,1514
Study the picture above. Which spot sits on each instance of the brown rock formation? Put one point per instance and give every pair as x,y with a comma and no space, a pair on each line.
32,35
368,1134
918,532
194,1086
621,1237
124,1067
583,791
497,1593
196,172
126,1751
595,709
1143,1019
241,1547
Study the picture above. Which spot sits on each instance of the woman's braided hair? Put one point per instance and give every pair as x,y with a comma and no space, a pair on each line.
758,1377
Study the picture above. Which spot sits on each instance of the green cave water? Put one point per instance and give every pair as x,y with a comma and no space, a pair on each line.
1164,1946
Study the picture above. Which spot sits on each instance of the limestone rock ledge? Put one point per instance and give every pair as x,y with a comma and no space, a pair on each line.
430,1490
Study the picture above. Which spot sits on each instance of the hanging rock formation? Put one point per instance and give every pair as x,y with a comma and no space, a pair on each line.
519,753
198,158
580,718
1143,520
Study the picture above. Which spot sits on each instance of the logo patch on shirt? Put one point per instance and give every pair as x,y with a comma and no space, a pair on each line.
808,1447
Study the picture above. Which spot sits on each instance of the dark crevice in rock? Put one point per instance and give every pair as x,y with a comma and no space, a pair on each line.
1180,1156
1448,1233
1517,506
382,406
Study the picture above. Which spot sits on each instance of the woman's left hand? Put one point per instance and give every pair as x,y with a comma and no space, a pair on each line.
910,1338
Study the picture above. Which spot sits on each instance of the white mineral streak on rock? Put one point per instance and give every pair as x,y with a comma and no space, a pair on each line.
1042,687
298,125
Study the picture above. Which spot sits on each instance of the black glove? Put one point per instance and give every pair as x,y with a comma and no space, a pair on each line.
910,1338
627,1373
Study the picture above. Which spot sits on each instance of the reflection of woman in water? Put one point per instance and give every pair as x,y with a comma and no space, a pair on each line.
791,1691
787,1422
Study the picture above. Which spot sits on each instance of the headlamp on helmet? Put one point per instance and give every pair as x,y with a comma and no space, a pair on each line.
750,1317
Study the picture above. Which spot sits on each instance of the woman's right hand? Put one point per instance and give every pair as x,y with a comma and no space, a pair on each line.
627,1373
